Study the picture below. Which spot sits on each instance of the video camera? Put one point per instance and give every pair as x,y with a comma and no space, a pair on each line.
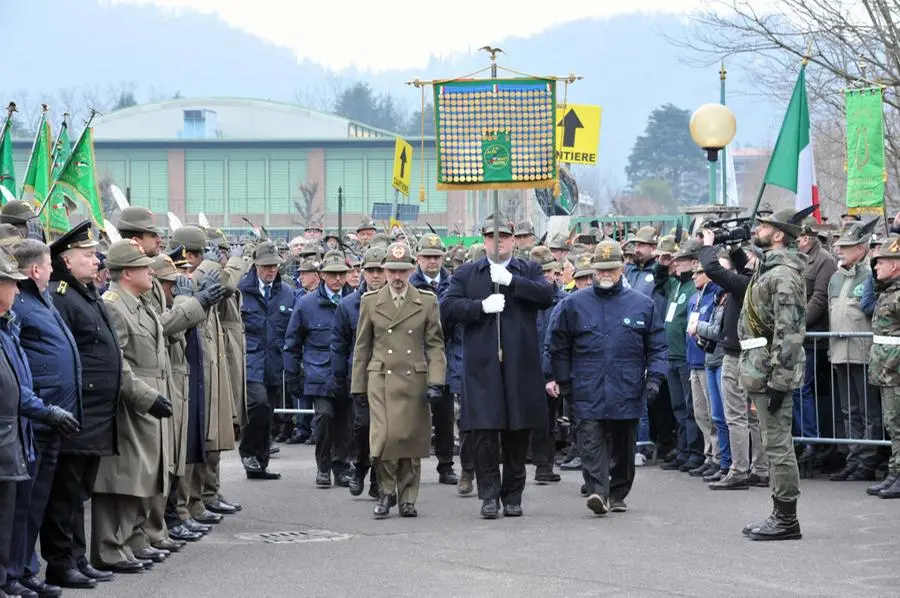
729,232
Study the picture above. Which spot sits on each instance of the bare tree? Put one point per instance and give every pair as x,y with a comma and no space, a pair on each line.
854,44
305,205
512,204
322,97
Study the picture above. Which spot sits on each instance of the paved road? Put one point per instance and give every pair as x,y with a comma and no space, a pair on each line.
677,539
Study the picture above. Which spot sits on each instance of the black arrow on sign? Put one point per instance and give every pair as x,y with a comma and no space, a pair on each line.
402,161
570,124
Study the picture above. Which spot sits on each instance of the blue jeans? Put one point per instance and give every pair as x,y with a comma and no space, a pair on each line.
717,414
690,441
805,421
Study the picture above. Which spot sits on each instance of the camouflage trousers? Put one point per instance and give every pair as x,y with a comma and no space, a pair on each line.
890,406
775,429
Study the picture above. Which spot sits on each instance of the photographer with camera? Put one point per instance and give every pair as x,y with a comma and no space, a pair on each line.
740,419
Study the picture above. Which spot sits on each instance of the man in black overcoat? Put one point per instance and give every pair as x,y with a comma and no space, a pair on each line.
503,397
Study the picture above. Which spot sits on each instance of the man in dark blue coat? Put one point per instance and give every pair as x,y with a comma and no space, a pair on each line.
503,397
307,282
308,349
56,374
343,339
63,543
18,406
266,311
608,352
431,276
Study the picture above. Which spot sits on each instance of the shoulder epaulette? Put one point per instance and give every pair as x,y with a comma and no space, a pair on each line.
110,296
369,293
426,291
62,287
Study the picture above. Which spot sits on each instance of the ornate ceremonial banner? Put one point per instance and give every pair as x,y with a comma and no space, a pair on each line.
496,133
866,175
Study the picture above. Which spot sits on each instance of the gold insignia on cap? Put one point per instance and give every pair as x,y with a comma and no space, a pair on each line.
434,241
398,252
894,247
169,261
606,251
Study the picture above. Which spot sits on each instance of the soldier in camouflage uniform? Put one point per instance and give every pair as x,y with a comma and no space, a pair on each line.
772,363
884,358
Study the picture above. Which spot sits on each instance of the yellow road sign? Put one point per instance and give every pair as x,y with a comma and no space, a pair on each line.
402,166
578,133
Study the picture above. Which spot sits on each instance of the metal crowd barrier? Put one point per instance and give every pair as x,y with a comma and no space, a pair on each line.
283,408
830,413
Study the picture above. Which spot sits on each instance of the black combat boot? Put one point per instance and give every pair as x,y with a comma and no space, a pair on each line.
882,485
383,507
752,526
892,491
782,525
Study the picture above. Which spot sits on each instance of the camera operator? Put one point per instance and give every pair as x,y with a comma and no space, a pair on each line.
741,420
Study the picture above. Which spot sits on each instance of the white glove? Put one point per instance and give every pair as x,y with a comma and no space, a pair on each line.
500,275
494,304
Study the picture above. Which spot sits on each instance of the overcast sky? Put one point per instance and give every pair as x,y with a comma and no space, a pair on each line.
391,34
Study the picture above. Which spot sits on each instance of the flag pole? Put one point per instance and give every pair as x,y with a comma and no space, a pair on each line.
8,123
803,62
87,125
722,75
44,109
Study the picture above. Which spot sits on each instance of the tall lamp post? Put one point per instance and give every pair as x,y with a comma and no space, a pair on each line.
712,128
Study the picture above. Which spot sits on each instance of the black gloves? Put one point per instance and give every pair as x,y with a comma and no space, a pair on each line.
35,230
210,290
62,420
361,400
776,398
565,389
435,393
184,286
339,387
212,253
651,387
161,408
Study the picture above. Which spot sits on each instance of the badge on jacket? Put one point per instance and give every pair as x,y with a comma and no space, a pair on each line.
62,288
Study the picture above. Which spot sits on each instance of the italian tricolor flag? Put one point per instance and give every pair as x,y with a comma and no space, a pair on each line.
791,165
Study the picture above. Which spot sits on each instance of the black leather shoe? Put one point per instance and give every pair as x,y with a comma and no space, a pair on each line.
408,509
490,508
700,470
206,516
235,505
884,484
544,474
512,510
263,474
169,544
251,464
71,578
617,505
448,477
383,507
357,482
149,554
583,490
323,479
146,563
222,508
182,534
759,481
14,588
192,525
43,589
844,474
599,505
732,481
716,476
122,567
297,439
274,450
690,464
572,464
343,478
88,570
672,465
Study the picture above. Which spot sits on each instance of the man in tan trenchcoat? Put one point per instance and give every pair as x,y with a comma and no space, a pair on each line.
127,483
399,364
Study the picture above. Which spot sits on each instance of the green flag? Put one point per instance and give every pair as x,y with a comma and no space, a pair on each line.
78,177
37,175
866,174
7,168
56,207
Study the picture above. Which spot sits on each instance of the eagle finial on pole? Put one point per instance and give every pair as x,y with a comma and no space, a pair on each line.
492,51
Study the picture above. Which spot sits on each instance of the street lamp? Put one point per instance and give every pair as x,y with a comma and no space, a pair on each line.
712,127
